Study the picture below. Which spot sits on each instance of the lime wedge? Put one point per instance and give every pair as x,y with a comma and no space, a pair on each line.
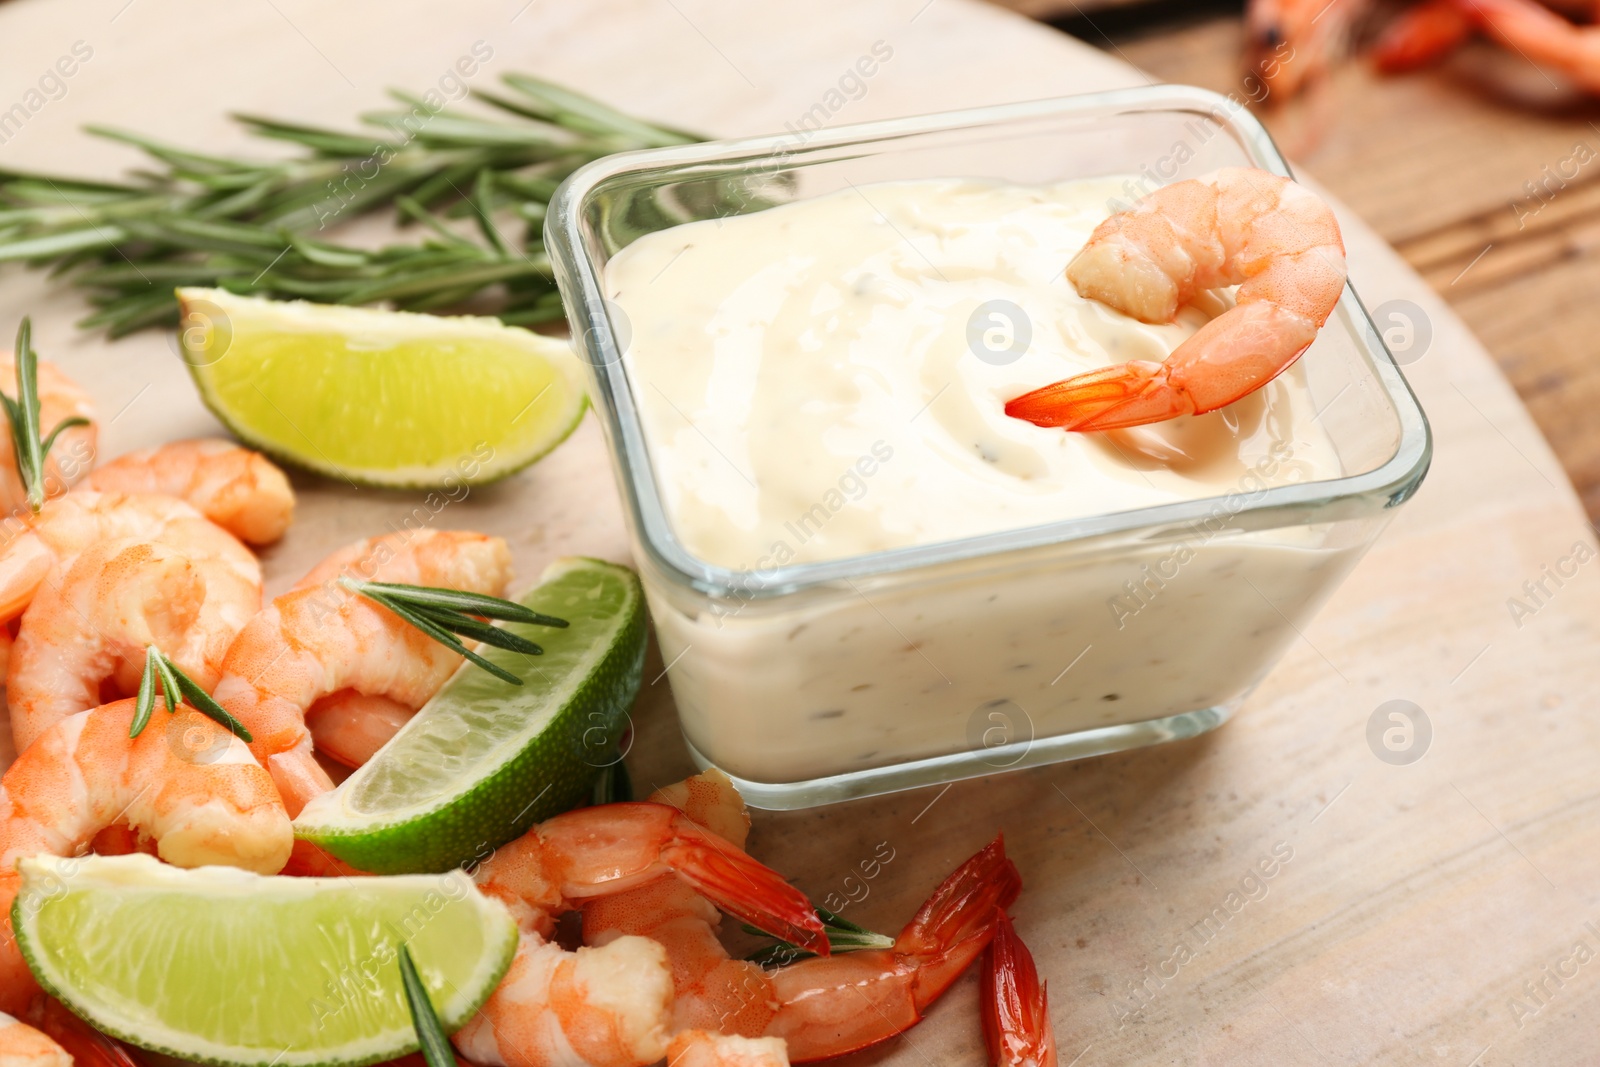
385,398
218,965
484,759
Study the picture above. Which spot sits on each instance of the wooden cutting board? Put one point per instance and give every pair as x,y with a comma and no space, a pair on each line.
1443,912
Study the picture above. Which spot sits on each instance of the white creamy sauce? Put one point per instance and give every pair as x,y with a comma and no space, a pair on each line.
809,392
810,387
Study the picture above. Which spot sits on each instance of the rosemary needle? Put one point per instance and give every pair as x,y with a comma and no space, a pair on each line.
442,614
176,686
22,413
430,1034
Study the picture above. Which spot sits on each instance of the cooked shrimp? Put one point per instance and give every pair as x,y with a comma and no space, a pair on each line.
711,991
31,545
827,1007
240,490
1541,36
1273,238
86,1046
1291,44
23,1046
119,597
349,727
185,780
820,1007
319,638
610,1005
705,1048
73,452
1016,1010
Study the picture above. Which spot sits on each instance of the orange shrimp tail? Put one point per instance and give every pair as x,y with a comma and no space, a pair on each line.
87,1046
744,888
956,922
1421,36
856,999
1016,1007
1126,394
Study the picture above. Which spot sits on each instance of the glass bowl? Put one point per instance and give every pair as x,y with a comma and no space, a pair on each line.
816,682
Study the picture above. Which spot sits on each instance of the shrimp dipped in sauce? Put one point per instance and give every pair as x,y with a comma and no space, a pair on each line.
1273,238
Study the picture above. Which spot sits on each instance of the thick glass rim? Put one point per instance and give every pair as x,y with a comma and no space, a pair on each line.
1385,486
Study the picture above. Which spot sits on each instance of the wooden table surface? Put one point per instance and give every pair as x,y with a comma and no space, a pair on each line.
1441,912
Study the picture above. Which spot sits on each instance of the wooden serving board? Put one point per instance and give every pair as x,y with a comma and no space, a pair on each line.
1442,912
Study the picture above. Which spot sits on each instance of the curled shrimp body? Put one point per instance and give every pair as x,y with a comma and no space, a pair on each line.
1274,239
608,1005
707,1048
117,598
319,638
30,546
818,1007
185,781
73,452
237,488
711,991
830,1006
23,1046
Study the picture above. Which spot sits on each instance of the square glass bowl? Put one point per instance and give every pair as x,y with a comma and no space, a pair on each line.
817,682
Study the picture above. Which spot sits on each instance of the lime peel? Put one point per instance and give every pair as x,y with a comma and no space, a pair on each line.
309,977
484,760
385,398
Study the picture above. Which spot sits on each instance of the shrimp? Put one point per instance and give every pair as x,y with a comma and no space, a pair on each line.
1273,238
73,452
1420,36
23,1046
1291,44
240,490
185,780
119,597
1016,1010
86,1046
319,638
827,1007
711,991
819,1007
1541,36
608,1005
33,544
349,727
706,1048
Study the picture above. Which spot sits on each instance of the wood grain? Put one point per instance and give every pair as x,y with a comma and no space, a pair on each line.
1415,901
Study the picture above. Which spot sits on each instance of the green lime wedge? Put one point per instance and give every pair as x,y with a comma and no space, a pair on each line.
217,965
386,398
485,759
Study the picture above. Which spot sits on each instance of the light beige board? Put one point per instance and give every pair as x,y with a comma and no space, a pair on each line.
1421,904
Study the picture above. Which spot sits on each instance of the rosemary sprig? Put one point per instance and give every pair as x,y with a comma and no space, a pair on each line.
444,613
430,1034
176,686
843,936
22,414
247,225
